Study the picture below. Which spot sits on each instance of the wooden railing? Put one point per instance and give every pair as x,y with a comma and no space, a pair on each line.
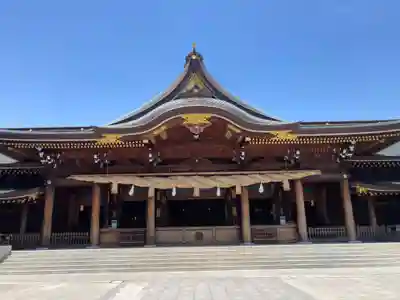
379,233
329,234
393,233
24,241
364,233
369,233
206,235
67,239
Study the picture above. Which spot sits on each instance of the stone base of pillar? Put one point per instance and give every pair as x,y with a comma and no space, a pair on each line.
150,246
92,247
354,242
304,242
247,244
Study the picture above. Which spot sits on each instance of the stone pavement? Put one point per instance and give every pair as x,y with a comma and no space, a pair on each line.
311,284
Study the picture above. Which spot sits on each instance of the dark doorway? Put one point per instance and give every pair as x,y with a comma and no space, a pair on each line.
261,212
199,212
133,214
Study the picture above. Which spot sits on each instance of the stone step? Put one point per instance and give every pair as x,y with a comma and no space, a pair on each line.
188,258
194,262
168,259
197,268
199,251
55,259
186,249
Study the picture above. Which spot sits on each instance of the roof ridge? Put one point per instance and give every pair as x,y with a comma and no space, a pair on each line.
194,64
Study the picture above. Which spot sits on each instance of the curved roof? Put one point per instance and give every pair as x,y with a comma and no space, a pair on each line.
194,82
196,92
20,194
377,188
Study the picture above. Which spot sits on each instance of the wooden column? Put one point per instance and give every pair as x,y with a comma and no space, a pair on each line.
95,220
150,218
348,210
24,218
246,225
301,211
48,215
372,214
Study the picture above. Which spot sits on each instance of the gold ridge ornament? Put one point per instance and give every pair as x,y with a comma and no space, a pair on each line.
109,139
283,135
196,123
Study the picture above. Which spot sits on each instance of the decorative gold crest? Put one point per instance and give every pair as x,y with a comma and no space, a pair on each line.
283,135
196,123
109,139
196,119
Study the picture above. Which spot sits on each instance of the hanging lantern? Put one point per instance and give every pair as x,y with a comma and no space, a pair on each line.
174,191
218,191
261,188
132,190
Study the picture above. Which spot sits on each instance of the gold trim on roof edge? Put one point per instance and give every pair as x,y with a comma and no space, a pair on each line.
196,119
109,139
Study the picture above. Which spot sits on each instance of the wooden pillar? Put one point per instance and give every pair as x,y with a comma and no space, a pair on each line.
246,225
150,218
348,210
24,218
372,214
48,215
95,220
301,211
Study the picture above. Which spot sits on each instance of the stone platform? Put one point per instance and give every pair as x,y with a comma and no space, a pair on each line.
321,284
379,282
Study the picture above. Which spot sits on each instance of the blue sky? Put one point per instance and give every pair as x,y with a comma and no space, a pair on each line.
88,62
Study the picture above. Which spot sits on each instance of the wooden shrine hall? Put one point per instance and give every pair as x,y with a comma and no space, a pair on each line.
198,166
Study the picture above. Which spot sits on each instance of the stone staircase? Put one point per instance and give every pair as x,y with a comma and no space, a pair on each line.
170,259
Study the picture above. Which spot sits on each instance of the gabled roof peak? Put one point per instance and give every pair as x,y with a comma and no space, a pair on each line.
193,55
194,82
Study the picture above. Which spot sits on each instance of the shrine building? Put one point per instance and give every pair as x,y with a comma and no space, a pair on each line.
198,166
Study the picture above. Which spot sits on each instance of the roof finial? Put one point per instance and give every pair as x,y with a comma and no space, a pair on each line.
194,47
